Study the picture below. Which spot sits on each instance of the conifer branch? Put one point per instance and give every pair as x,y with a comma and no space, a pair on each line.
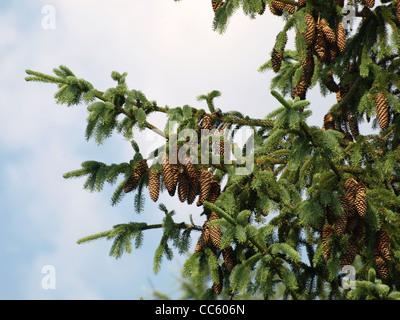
100,95
139,226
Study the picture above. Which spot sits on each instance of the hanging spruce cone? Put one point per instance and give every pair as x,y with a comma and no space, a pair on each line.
183,185
383,244
215,191
205,180
229,258
216,4
341,37
369,3
382,110
133,180
350,186
360,201
353,126
340,224
204,238
333,51
301,3
154,184
320,45
217,287
301,87
290,8
220,144
276,59
277,7
310,32
328,32
326,233
215,231
191,169
330,83
170,175
350,253
381,266
308,66
329,123
192,192
348,206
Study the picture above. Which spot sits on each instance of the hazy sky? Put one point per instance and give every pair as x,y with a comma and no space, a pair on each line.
171,53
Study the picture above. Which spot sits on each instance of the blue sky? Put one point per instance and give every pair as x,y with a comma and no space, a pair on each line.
171,53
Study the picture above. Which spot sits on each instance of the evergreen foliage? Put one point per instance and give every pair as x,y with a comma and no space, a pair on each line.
317,198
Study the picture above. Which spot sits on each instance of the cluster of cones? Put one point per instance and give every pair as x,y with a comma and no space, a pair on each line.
211,238
323,42
189,181
382,252
182,176
342,89
354,204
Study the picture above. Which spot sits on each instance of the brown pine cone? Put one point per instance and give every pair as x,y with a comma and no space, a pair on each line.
310,32
170,175
353,126
348,206
329,123
382,110
350,253
320,46
381,266
206,122
350,186
229,258
183,185
341,37
383,244
328,32
326,233
290,8
192,192
215,231
340,224
330,83
154,184
360,201
133,180
216,4
276,59
277,7
204,238
206,177
215,191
